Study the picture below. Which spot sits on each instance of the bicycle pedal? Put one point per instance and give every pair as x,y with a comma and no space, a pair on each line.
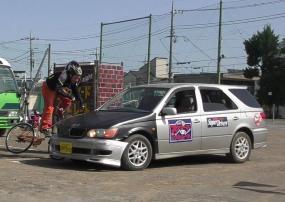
37,141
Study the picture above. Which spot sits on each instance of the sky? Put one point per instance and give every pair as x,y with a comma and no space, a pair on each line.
72,27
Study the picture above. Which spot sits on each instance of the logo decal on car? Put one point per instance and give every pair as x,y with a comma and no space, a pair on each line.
180,130
217,122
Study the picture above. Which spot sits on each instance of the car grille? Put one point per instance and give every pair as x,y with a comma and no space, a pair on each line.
71,133
62,132
77,132
3,113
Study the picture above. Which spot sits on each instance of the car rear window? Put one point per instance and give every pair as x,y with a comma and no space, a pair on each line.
245,96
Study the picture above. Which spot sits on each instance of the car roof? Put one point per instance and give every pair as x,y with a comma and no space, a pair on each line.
181,85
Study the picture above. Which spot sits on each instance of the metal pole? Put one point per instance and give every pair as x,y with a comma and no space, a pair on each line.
148,50
31,57
273,113
170,48
38,73
96,84
101,40
49,67
219,45
54,66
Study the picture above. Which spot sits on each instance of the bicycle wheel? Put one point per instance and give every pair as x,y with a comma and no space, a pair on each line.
20,138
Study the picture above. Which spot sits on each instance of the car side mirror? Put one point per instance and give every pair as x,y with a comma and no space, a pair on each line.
168,111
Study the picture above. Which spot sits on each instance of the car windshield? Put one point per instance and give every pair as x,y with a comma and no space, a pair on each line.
140,99
7,81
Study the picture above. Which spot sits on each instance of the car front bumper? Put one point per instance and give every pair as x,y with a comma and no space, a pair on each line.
101,151
8,122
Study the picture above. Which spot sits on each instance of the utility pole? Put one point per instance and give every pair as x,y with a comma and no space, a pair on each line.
30,38
31,57
170,47
148,50
101,40
49,59
96,54
219,45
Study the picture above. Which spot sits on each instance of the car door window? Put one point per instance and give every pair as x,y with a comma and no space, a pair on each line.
216,100
184,101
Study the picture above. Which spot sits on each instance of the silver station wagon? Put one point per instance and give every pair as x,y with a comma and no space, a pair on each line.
161,121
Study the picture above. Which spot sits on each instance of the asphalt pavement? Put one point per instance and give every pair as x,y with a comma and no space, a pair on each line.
33,177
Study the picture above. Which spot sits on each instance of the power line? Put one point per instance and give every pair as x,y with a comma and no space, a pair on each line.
199,49
13,41
200,66
12,59
135,39
255,5
234,7
110,32
232,22
208,60
21,59
70,39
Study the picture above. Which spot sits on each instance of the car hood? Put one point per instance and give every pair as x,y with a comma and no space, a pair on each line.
99,119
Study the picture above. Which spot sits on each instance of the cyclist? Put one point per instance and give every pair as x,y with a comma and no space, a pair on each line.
64,85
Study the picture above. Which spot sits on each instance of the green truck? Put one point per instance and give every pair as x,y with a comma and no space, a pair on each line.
9,97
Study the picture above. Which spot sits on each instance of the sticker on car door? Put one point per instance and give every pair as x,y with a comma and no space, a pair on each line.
217,122
180,130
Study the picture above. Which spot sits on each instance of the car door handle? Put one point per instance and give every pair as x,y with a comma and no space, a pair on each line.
235,118
196,121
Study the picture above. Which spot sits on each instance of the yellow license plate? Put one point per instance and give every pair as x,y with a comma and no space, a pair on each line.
65,148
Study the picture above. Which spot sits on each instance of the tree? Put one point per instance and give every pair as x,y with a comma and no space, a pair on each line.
250,72
282,46
263,52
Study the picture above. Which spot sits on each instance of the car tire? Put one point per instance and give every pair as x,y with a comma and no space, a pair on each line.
240,148
137,154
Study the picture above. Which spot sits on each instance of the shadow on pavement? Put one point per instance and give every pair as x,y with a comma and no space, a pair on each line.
256,187
67,165
190,160
41,159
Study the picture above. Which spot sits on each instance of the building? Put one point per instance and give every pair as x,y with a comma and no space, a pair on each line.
158,73
232,77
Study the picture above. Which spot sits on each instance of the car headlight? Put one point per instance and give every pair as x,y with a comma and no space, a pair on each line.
102,133
12,113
